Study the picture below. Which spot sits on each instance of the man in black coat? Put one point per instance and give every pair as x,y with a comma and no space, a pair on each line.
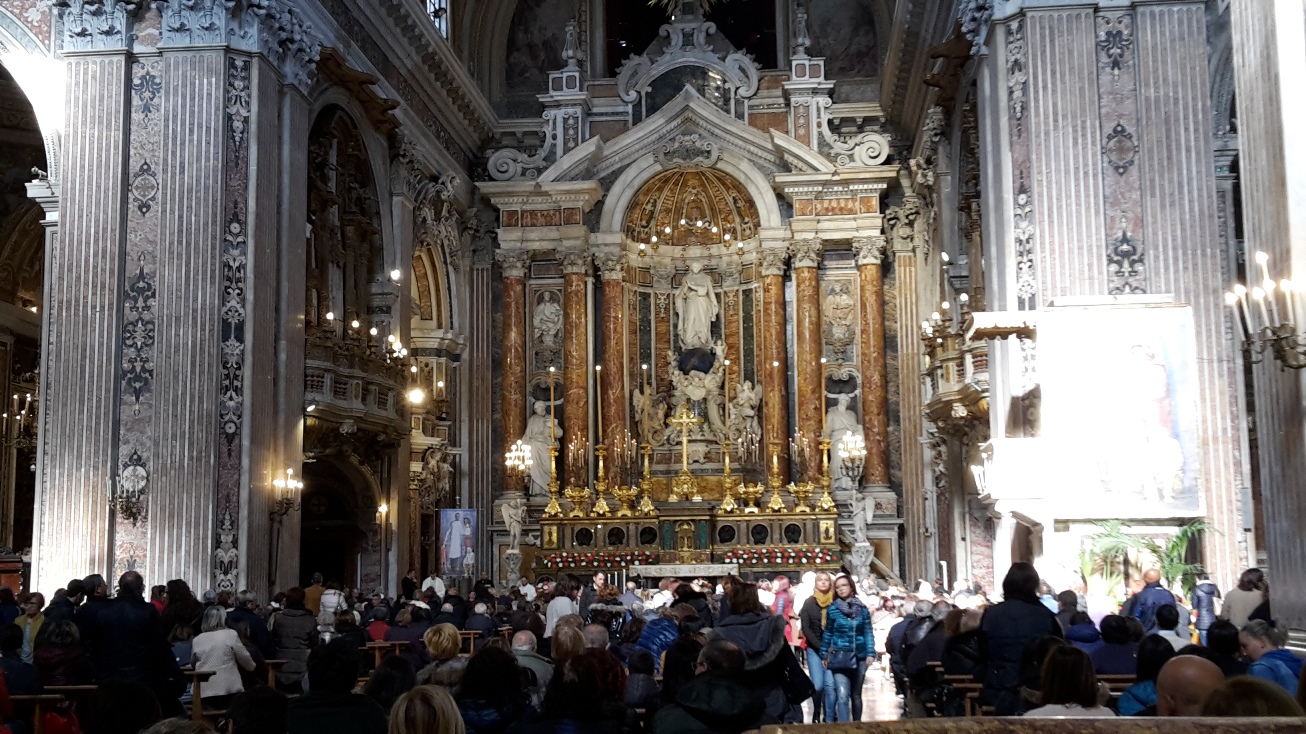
715,700
245,611
97,599
128,643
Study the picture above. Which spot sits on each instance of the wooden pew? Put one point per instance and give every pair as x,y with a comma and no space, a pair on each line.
197,679
38,703
274,667
469,640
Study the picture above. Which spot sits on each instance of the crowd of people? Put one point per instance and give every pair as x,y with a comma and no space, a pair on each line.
589,656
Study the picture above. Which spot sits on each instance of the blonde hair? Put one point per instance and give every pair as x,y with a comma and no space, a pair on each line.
443,641
823,575
426,710
567,643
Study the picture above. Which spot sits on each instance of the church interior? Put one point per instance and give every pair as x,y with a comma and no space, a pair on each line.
915,289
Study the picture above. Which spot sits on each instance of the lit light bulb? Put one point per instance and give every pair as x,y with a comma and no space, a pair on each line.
383,508
714,230
553,369
331,316
1258,294
775,363
1262,257
439,384
372,331
1230,298
654,238
728,239
1285,285
394,275
413,369
945,305
945,257
682,222
667,230
33,309
354,324
698,223
1240,290
416,395
1268,285
391,338
963,297
641,247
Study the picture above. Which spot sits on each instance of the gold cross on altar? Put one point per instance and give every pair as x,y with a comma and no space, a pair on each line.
684,421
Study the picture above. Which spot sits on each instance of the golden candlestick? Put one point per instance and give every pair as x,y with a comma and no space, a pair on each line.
751,494
577,496
646,485
826,503
774,481
553,509
601,508
801,491
728,504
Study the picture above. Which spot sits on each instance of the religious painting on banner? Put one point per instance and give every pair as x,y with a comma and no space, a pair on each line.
1118,414
457,542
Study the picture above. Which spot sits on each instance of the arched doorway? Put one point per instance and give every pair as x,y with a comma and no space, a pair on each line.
22,259
338,537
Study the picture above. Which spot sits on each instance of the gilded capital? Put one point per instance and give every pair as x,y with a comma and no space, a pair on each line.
514,263
870,250
773,261
575,262
611,264
806,253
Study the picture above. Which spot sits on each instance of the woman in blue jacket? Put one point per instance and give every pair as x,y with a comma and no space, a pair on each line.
1263,645
847,630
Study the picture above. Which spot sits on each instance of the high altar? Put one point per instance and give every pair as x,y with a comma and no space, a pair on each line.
694,366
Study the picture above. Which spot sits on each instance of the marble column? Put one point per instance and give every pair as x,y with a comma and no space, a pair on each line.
514,264
613,267
808,349
1269,65
575,356
774,367
875,414
907,224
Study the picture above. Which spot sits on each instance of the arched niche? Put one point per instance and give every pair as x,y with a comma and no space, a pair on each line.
346,260
692,206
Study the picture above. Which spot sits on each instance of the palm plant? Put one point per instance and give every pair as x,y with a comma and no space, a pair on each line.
1112,544
1172,555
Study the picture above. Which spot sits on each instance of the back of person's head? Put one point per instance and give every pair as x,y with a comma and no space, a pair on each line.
1259,629
1080,618
119,707
259,710
392,678
130,584
404,617
595,637
939,611
567,642
178,592
447,608
723,658
633,629
1244,696
1068,678
679,666
181,632
952,623
687,619
1167,617
1068,600
426,710
345,620
442,641
1253,579
294,598
492,676
245,599
741,596
1136,629
333,667
1153,652
575,621
1222,638
7,597
1021,583
215,618
478,609
11,638
95,585
1115,630
317,578
524,641
582,682
922,609
76,588
641,661
380,613
63,634
1184,683
1032,657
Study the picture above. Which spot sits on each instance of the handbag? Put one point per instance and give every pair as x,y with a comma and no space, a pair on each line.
841,660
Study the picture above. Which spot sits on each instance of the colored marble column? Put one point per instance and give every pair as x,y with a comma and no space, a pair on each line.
908,227
575,357
810,373
775,361
875,417
613,267
514,264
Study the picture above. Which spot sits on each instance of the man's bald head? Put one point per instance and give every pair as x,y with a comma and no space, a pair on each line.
524,641
1151,576
1184,683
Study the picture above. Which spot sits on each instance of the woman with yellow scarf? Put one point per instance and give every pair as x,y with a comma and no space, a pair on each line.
812,617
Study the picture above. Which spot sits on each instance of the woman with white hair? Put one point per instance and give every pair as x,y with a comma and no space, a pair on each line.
218,648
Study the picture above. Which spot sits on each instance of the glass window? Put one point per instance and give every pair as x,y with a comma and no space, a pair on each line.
439,12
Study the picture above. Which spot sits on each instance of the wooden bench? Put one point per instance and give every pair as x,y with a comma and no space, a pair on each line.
468,641
197,679
274,667
38,703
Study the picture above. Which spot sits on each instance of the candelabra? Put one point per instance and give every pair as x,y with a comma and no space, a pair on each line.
852,454
517,461
774,482
1263,325
553,509
751,493
646,507
600,508
728,504
288,490
801,491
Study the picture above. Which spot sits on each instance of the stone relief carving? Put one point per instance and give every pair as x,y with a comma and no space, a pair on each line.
975,16
869,148
1115,41
1023,221
869,250
547,320
97,24
1017,73
514,263
637,72
743,411
839,320
693,149
650,412
1126,272
802,40
773,261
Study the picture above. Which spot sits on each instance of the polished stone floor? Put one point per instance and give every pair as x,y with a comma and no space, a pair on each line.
879,701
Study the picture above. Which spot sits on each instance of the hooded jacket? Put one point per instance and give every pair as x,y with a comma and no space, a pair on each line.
761,637
712,704
611,616
1204,596
1085,637
1278,666
657,637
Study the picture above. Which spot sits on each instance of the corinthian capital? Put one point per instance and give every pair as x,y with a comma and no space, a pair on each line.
97,25
575,262
806,253
513,262
870,250
773,261
611,264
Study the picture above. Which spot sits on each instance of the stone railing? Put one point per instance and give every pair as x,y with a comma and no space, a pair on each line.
350,380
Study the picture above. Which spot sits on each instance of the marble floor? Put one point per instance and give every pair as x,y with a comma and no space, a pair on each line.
879,701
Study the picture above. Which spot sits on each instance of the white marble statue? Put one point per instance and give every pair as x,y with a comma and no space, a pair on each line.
840,421
650,416
514,516
863,511
541,434
696,308
548,321
743,411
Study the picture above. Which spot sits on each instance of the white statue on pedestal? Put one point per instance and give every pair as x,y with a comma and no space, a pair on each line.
743,411
841,421
541,433
696,307
514,516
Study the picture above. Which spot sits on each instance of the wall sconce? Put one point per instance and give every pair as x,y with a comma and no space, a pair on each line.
288,494
1277,331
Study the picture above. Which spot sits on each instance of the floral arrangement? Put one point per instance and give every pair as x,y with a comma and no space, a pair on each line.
780,556
612,559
